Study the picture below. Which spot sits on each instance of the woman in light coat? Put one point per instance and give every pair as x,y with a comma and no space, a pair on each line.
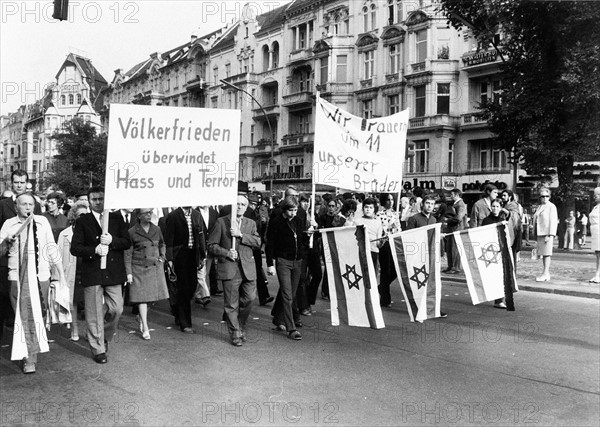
545,221
144,263
70,263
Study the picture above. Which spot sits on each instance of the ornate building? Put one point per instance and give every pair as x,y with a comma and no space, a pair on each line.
370,57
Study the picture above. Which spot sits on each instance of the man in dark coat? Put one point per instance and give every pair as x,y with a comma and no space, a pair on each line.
186,251
91,244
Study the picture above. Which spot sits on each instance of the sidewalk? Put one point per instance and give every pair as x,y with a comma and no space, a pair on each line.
568,277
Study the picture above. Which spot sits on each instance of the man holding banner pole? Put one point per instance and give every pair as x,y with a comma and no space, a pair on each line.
102,287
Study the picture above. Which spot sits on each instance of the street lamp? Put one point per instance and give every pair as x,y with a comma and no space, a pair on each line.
271,162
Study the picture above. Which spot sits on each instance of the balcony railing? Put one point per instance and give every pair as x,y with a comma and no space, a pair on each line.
418,67
298,98
433,121
333,87
297,139
249,77
472,118
300,55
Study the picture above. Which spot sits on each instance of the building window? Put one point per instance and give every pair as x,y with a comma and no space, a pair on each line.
63,100
368,64
483,156
340,69
443,44
365,12
393,104
395,61
71,99
420,161
451,155
497,91
394,11
167,84
443,98
275,55
373,16
304,123
78,98
296,165
214,102
420,101
216,75
367,109
483,93
251,134
227,70
324,70
176,81
421,45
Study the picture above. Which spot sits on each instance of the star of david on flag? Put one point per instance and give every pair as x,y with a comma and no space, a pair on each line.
417,261
352,280
487,261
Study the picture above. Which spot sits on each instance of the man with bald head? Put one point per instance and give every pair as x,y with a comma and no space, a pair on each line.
236,267
32,251
18,179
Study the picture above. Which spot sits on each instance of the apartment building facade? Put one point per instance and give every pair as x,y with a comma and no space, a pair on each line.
370,57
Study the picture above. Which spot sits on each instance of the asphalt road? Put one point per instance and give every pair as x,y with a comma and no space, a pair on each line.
480,366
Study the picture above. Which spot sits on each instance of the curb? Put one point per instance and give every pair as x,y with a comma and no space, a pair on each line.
529,288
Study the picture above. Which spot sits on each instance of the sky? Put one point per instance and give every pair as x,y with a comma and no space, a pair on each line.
112,33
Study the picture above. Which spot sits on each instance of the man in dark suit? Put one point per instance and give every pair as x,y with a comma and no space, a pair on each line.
91,244
209,217
186,251
236,267
8,210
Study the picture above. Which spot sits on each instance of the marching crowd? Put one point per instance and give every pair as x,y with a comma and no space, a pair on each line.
192,254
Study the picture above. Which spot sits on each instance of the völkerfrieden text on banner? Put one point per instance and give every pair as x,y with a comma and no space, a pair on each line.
169,156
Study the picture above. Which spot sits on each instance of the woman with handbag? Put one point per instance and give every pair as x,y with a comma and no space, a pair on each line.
144,263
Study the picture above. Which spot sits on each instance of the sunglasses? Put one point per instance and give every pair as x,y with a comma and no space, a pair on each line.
544,196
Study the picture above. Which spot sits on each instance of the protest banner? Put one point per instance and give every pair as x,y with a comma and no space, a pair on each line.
364,155
169,156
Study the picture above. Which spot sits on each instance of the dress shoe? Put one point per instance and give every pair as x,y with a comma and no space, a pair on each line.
243,336
100,358
446,270
237,342
298,323
28,367
266,300
542,278
295,335
306,312
451,272
442,314
187,330
217,293
146,335
279,326
500,305
74,337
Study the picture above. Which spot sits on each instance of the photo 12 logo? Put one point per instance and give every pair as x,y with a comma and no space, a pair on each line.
71,11
232,11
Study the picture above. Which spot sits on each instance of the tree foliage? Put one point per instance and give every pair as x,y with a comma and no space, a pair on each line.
81,159
548,111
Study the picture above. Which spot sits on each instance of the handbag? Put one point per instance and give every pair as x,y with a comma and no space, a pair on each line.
171,278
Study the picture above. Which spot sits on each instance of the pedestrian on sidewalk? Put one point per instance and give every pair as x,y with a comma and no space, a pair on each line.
569,230
581,228
594,221
545,221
